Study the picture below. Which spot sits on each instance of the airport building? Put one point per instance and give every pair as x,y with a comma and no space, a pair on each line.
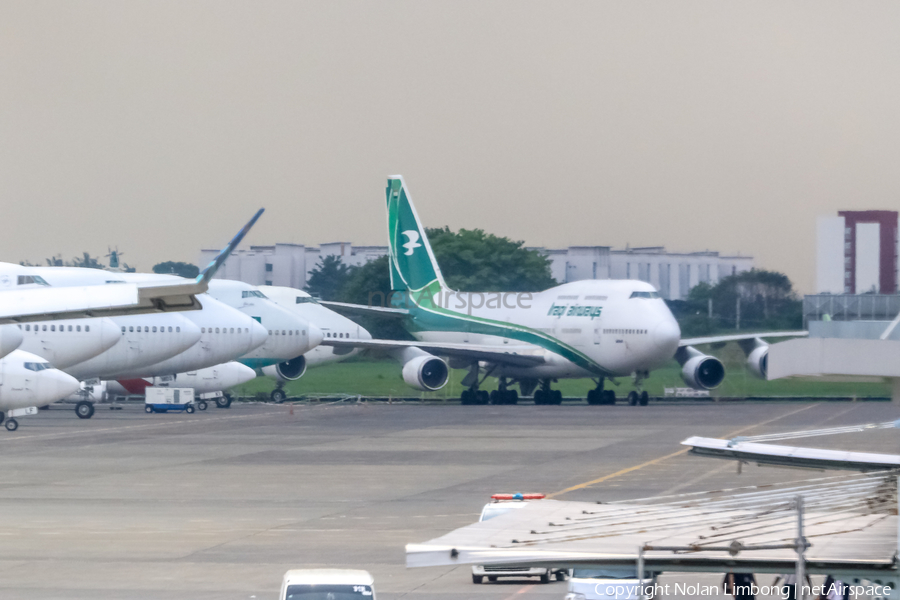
672,273
856,252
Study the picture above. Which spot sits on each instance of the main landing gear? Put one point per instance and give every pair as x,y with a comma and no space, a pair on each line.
638,398
599,396
545,395
504,395
473,395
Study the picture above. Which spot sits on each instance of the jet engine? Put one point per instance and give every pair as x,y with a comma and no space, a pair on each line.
426,373
289,370
700,371
757,352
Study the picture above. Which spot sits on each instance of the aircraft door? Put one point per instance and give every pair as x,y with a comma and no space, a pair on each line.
598,333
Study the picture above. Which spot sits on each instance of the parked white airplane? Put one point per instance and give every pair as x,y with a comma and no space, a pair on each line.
596,329
290,335
27,380
203,381
331,324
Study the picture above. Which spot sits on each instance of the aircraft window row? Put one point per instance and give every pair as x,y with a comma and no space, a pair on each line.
53,328
36,366
573,330
252,294
223,330
26,279
337,335
595,297
283,332
645,294
625,331
575,297
148,329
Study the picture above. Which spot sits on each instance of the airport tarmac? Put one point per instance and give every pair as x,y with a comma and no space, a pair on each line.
219,504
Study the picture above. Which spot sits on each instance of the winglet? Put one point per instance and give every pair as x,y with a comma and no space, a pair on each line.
210,270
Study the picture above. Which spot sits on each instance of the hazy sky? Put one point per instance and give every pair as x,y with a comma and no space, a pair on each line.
160,127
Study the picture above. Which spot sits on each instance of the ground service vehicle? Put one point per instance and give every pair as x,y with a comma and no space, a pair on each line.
500,505
327,584
170,400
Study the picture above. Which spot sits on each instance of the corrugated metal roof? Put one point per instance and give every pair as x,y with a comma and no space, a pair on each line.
851,522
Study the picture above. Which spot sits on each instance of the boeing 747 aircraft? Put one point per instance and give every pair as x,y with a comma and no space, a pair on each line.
598,329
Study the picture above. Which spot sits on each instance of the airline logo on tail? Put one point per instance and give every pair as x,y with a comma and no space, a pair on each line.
413,241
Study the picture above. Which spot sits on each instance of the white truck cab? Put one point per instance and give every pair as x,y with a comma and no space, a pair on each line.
607,584
327,584
501,504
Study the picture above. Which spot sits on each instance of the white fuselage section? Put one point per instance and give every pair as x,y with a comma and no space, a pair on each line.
203,381
331,324
621,325
161,344
68,342
289,334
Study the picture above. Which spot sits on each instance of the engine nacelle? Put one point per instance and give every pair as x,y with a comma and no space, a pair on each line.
703,372
757,352
426,373
289,370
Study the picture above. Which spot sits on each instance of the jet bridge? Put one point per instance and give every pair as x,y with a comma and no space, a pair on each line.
846,526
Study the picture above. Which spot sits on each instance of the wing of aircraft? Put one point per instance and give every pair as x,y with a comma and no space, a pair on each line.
44,303
349,310
721,339
509,355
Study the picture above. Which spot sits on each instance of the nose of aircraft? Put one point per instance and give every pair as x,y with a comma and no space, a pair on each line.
315,336
188,334
240,373
56,385
110,334
666,335
258,335
10,339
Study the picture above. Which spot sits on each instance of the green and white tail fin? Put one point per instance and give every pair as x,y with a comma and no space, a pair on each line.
413,267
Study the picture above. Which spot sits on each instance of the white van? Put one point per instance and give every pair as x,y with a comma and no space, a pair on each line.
327,584
607,584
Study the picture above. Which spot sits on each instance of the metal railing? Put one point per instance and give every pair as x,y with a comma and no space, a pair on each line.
851,307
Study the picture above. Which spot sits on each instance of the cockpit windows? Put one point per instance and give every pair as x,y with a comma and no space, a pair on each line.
644,295
252,294
31,279
306,300
36,366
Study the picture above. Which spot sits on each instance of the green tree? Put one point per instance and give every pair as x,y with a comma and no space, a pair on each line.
370,285
328,277
474,261
767,301
182,269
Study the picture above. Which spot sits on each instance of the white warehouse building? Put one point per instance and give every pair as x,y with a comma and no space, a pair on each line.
673,274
